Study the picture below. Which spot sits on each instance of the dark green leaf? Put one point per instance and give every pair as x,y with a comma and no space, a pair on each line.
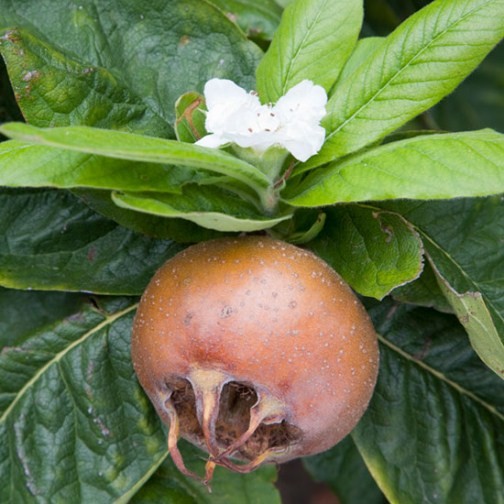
55,89
313,41
209,207
464,242
423,167
259,19
182,231
169,486
424,291
78,427
52,241
422,61
44,309
373,251
75,425
156,50
343,469
434,431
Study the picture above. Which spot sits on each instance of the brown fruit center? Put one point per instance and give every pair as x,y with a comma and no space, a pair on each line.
229,418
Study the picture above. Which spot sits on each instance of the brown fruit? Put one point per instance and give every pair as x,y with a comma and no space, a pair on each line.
254,350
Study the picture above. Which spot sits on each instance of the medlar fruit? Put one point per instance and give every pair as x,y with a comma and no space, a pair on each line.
254,350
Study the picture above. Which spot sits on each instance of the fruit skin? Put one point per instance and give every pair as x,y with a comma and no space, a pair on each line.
266,314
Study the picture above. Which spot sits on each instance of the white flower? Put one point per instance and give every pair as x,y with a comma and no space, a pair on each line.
235,116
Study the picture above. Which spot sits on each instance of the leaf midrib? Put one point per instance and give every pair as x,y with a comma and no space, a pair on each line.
301,46
462,271
438,374
59,356
389,82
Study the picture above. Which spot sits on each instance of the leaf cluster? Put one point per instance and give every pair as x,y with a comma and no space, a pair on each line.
100,183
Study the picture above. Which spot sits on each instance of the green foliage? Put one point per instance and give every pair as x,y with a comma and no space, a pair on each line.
403,199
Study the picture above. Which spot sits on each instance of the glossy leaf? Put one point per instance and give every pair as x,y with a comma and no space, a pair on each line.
132,147
313,41
157,50
373,251
76,427
206,206
421,62
434,431
52,241
423,167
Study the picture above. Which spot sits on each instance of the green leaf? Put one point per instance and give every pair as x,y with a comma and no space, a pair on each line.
45,308
25,165
132,147
52,241
463,240
434,431
209,207
343,469
78,427
182,231
259,19
479,101
473,314
52,88
157,50
421,62
75,426
190,121
374,251
313,41
423,167
227,487
424,291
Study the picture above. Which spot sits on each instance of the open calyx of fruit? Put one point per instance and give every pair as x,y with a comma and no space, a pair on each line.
254,350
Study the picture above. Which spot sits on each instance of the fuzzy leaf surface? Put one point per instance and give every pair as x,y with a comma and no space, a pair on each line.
313,41
373,251
133,147
157,51
53,88
417,65
206,206
30,165
436,166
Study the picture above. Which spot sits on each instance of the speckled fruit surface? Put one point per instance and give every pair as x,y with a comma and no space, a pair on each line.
255,350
